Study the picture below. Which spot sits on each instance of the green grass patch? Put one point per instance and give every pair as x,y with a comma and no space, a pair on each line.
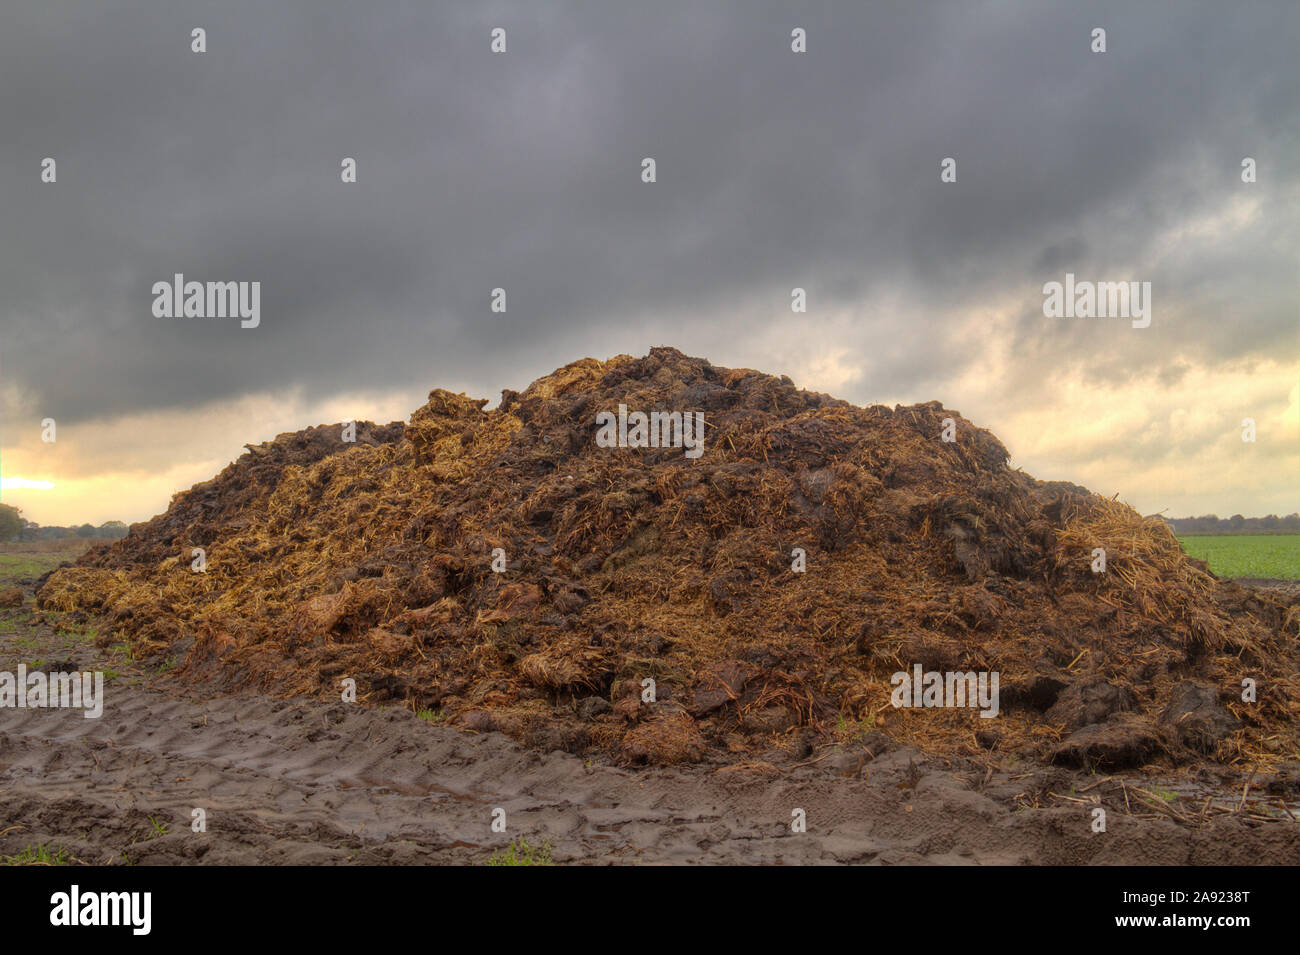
1247,555
521,853
854,730
73,629
14,620
39,854
16,567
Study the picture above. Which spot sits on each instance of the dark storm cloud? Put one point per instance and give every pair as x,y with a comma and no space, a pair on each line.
522,171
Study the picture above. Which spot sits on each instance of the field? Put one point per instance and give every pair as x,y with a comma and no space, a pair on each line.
27,561
1275,556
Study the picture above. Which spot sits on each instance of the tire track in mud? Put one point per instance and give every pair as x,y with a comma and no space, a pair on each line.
311,782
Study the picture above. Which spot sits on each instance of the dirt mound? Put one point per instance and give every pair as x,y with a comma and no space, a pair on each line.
770,587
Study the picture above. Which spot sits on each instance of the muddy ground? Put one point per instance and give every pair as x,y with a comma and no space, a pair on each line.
309,782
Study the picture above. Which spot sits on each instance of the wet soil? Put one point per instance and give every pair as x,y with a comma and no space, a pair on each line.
311,782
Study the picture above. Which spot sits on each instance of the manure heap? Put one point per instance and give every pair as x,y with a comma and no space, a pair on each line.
373,561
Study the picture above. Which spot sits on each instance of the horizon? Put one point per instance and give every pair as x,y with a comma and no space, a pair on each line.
492,403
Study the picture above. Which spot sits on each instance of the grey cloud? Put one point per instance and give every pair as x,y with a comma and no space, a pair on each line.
522,171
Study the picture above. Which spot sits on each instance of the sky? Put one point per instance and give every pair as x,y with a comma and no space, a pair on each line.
774,170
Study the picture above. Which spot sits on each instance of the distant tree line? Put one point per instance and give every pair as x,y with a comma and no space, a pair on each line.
15,527
1236,524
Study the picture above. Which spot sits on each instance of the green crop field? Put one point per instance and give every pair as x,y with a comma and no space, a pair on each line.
1247,555
20,561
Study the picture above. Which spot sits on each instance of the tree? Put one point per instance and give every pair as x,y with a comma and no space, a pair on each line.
1206,522
11,522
